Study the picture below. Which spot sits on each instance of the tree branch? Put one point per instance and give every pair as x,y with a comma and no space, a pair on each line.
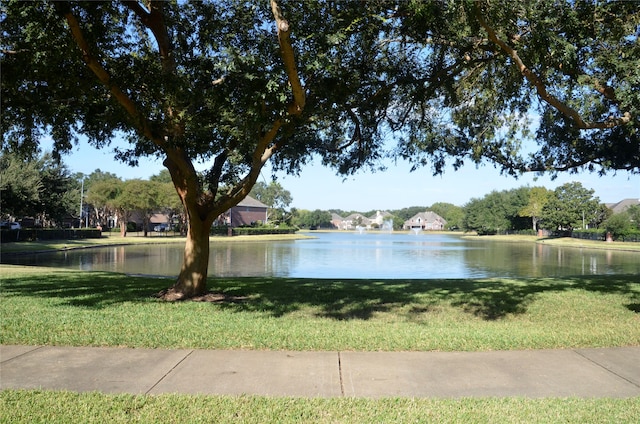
154,20
288,58
540,86
265,146
177,162
103,76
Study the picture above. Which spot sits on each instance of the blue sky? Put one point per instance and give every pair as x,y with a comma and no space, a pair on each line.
318,187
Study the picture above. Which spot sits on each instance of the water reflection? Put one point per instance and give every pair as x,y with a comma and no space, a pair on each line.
353,255
539,260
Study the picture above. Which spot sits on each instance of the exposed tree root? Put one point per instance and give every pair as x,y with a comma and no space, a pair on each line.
173,295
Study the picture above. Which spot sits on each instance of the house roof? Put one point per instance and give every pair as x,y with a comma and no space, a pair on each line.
383,214
252,203
159,218
623,205
427,216
355,216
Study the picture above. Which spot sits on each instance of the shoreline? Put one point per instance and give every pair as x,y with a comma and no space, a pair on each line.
23,248
26,248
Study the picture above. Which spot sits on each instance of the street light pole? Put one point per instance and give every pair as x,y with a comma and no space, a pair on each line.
81,196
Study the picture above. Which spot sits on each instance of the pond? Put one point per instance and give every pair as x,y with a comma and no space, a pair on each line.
354,255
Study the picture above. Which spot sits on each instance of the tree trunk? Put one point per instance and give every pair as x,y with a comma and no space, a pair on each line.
192,280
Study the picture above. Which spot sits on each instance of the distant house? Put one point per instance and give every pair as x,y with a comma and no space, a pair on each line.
249,211
425,221
380,217
623,205
355,220
336,220
358,220
159,219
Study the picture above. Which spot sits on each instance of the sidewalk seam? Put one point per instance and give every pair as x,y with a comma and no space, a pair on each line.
340,374
169,372
607,369
22,354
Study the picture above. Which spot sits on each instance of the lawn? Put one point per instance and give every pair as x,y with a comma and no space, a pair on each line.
63,307
561,242
74,308
110,239
64,407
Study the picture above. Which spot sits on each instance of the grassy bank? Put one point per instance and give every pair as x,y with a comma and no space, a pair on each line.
591,244
61,307
560,241
64,407
115,239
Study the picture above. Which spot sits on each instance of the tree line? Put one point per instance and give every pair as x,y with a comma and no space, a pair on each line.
524,210
43,192
44,189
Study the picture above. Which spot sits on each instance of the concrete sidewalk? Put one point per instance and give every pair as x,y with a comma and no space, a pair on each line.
613,372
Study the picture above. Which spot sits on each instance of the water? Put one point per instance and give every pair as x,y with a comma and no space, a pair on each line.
369,254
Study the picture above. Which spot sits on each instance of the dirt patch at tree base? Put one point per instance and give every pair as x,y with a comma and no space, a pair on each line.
171,295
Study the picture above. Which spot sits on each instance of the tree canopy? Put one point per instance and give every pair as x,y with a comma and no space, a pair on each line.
274,196
573,206
39,187
236,84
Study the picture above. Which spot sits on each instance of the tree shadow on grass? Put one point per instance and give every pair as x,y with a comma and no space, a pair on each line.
488,299
94,290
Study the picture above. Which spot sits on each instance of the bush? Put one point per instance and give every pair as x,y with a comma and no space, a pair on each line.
252,230
262,230
619,225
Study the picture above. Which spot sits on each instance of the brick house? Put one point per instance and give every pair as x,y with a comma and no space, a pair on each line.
336,220
247,212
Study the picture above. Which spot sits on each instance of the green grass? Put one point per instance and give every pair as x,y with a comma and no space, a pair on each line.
560,242
62,307
115,239
64,407
43,306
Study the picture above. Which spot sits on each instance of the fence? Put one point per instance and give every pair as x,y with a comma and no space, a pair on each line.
601,235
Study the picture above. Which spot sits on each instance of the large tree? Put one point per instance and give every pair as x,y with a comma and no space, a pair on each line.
274,196
572,206
96,201
142,196
538,198
103,195
496,211
39,187
60,194
20,186
236,84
